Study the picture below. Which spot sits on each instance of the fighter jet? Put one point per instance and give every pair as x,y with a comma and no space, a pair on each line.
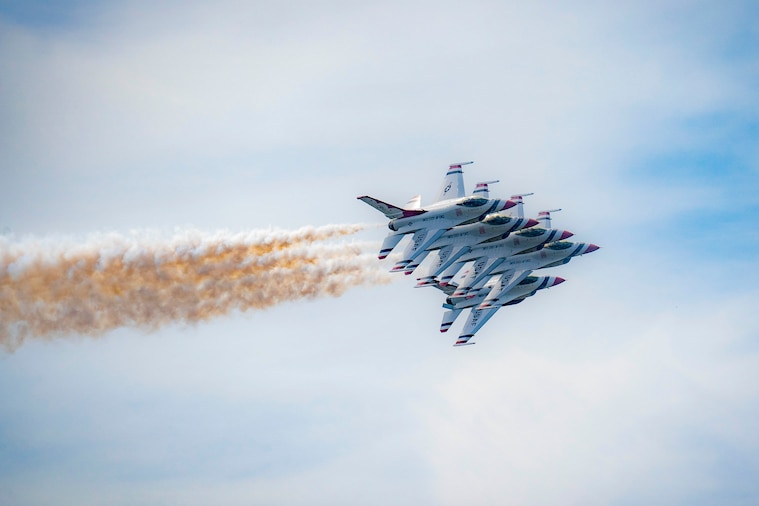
525,288
452,208
504,285
514,269
479,317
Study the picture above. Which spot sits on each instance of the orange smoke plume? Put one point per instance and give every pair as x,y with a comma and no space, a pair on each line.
51,287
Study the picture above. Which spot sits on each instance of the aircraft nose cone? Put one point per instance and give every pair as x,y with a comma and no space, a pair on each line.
566,235
558,281
531,223
591,248
508,204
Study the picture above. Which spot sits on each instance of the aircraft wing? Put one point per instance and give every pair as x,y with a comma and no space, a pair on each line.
477,318
453,183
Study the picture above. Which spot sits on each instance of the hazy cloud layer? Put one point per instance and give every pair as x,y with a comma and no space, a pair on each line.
635,382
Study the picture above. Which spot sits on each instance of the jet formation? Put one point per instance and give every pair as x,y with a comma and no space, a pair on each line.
481,251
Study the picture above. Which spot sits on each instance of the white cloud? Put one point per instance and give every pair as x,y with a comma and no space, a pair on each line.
632,382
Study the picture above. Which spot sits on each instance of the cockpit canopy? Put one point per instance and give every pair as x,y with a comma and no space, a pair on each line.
473,202
532,232
497,219
528,280
559,245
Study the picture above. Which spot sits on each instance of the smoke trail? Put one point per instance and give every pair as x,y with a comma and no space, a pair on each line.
52,287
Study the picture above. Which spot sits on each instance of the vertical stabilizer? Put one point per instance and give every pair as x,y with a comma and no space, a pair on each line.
482,189
453,182
544,218
519,208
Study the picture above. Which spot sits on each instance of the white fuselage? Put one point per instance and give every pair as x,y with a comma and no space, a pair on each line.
449,213
540,259
492,226
516,243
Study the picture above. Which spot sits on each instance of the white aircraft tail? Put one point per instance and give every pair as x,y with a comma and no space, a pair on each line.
453,182
482,190
519,208
544,218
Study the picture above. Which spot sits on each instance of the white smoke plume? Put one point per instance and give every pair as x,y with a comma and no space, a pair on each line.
56,287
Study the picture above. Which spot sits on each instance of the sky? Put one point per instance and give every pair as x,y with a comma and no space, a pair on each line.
636,381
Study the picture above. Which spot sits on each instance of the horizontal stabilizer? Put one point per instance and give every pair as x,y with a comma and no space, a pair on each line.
390,210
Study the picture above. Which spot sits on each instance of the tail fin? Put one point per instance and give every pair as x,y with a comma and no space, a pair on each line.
544,218
453,183
520,203
389,210
481,189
